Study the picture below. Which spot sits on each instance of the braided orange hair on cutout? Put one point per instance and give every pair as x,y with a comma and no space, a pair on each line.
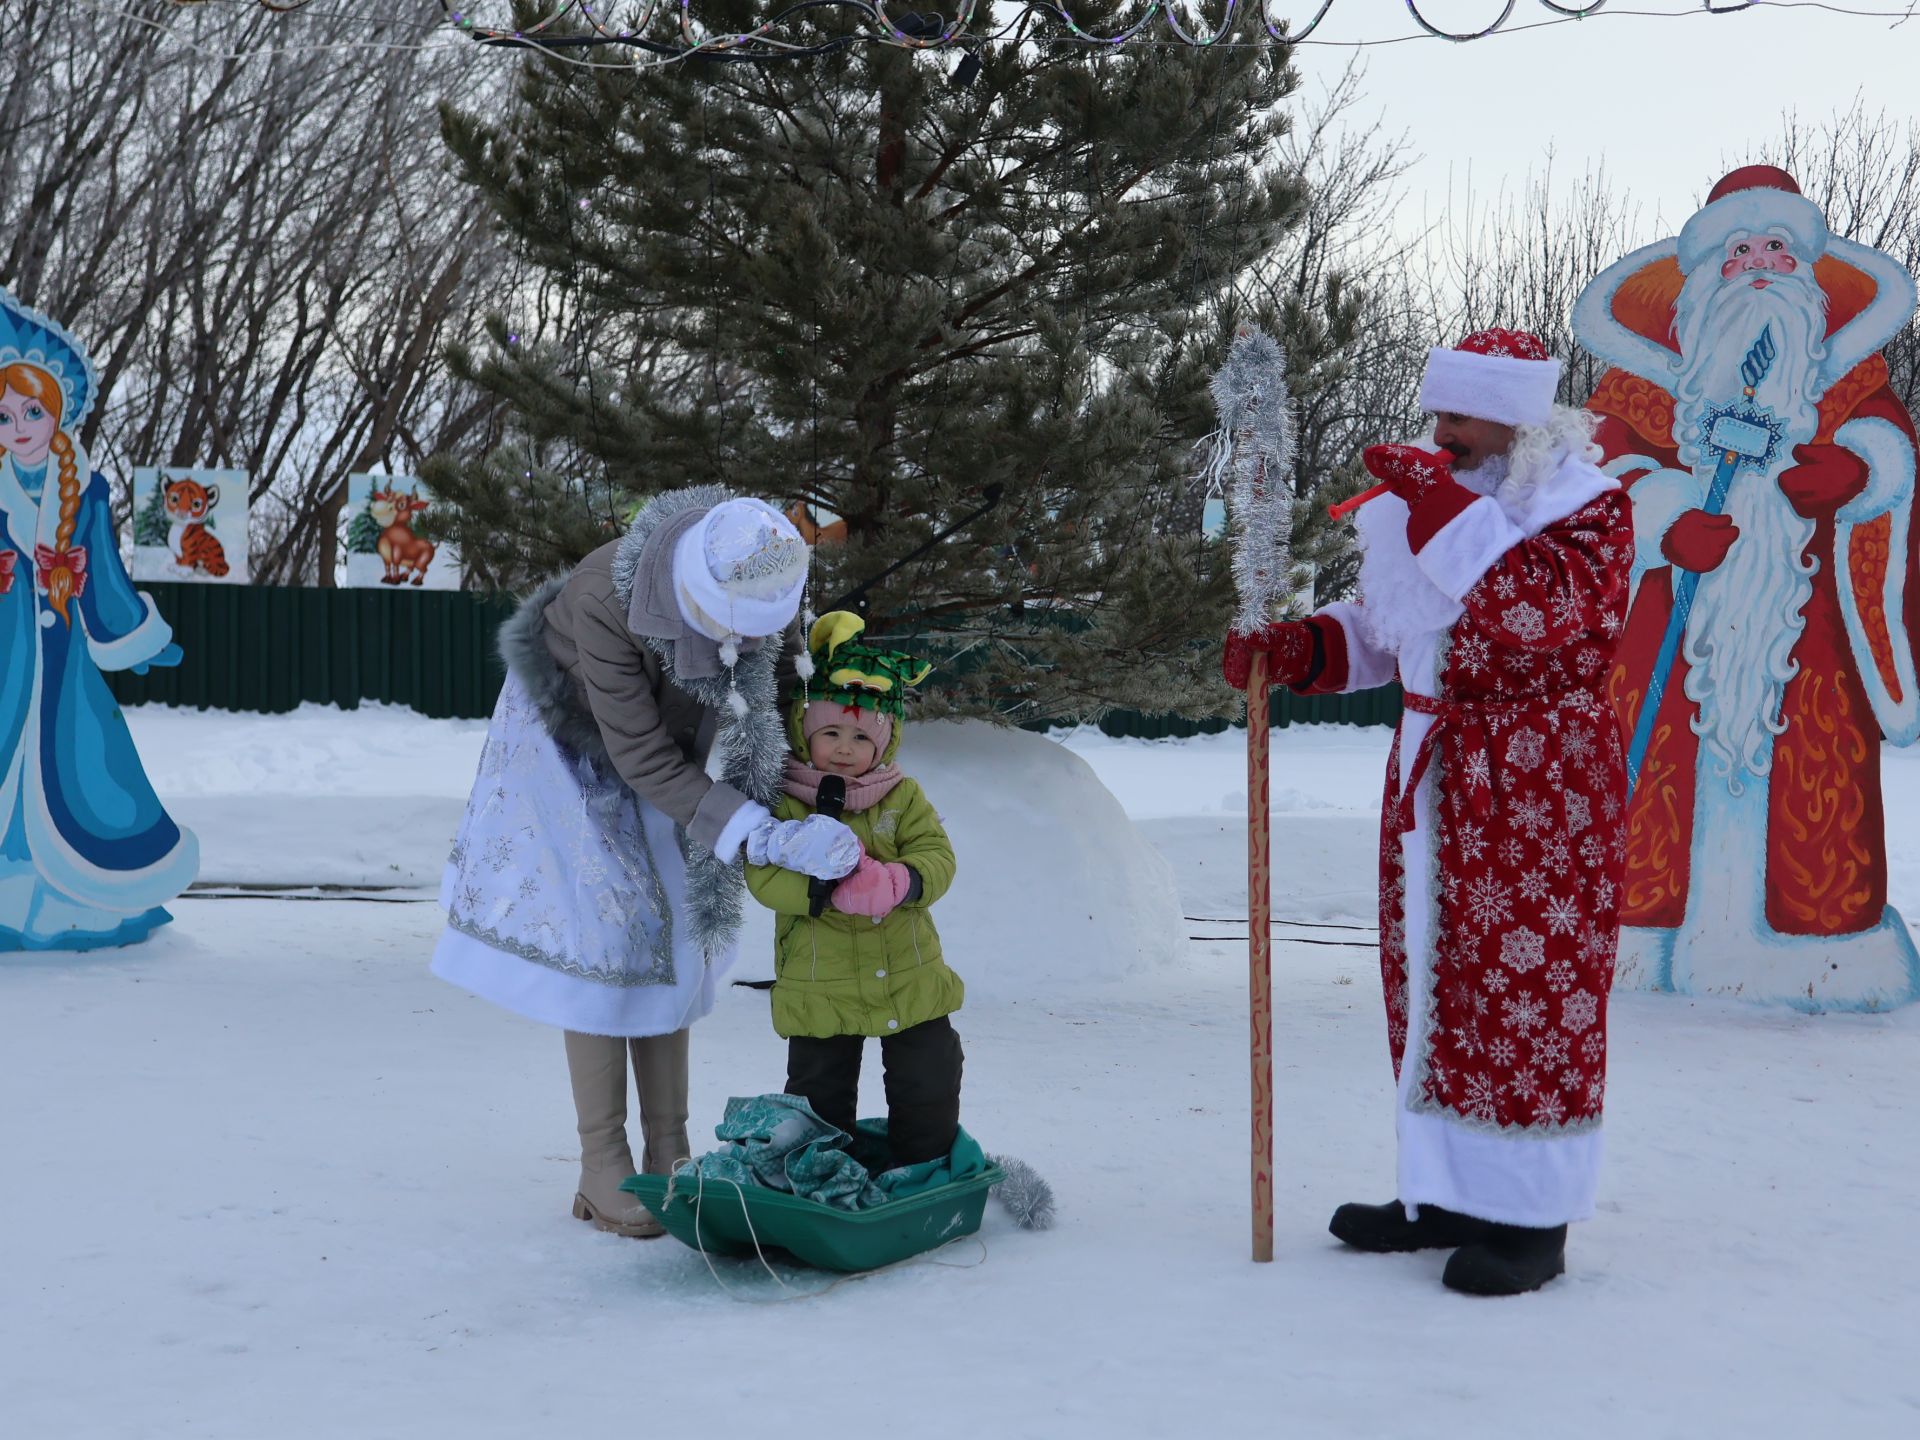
60,582
32,380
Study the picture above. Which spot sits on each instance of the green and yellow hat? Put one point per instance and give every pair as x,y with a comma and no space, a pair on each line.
857,675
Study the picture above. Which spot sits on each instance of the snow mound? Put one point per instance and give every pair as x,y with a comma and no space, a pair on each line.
1054,885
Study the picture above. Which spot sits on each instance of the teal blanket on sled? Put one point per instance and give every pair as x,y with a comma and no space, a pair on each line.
776,1141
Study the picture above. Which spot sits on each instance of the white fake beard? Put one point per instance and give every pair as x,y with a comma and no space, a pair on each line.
1717,322
1746,619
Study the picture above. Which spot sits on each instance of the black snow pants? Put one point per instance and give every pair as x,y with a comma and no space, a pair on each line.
923,1084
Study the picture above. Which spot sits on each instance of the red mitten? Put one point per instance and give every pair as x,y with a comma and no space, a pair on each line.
1409,471
873,889
1827,477
1699,541
1289,644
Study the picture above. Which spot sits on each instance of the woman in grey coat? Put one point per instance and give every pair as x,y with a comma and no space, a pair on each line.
595,883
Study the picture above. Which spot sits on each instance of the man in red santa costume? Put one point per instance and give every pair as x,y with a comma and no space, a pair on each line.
1756,862
1493,582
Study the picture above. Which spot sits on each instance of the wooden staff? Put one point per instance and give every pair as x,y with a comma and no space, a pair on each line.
1260,956
1252,458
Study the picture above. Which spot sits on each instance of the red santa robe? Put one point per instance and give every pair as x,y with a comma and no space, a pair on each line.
1501,829
1777,889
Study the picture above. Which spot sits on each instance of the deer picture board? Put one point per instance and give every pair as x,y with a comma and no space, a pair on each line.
190,524
384,544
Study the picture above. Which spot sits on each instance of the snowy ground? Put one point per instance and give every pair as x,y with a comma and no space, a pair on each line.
266,1178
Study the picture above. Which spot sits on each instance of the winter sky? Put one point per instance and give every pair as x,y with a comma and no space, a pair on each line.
1667,100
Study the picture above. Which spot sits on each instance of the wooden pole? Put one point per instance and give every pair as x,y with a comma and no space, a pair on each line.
1259,957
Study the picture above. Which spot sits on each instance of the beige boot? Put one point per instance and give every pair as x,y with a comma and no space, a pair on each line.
598,1067
660,1075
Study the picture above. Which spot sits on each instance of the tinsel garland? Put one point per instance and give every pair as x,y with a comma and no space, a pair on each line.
1250,460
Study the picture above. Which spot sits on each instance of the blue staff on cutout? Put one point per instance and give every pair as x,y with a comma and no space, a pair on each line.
1748,436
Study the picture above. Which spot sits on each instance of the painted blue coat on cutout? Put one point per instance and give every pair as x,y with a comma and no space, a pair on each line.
89,854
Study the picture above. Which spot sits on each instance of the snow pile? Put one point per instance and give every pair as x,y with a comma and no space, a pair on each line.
1054,879
318,796
1055,883
1313,770
1189,799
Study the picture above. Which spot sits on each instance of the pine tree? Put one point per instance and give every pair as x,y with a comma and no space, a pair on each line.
363,535
150,524
853,283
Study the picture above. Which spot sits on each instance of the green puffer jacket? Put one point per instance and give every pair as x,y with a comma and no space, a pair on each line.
843,974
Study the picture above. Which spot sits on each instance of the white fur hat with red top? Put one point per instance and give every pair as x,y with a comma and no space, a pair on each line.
1505,376
1755,200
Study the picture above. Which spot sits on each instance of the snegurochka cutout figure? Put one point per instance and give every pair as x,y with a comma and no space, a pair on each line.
90,856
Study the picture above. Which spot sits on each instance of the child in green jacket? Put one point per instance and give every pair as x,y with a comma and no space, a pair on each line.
860,956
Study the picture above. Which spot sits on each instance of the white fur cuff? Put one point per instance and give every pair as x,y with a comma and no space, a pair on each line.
1658,500
143,642
1889,457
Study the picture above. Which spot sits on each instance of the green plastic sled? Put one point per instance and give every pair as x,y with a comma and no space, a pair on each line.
815,1234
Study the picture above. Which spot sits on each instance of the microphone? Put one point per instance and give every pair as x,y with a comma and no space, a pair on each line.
830,802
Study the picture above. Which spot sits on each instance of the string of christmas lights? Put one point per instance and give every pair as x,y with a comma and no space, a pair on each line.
278,7
656,33
667,31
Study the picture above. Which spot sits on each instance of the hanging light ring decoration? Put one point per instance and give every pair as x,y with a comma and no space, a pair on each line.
894,35
1226,25
1286,33
1427,25
1079,32
605,32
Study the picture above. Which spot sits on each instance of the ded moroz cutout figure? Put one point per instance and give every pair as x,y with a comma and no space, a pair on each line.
1770,641
89,855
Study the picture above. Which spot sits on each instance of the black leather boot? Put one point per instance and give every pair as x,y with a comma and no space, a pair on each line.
1385,1229
1510,1260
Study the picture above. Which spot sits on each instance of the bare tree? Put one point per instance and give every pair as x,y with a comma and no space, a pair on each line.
254,232
1522,259
1343,276
1862,168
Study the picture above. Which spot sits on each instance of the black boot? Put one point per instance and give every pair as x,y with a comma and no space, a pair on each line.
1510,1260
1385,1229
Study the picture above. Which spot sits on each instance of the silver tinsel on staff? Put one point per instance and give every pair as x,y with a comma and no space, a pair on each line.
1250,459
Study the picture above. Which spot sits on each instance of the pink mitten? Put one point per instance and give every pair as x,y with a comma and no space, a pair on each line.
873,889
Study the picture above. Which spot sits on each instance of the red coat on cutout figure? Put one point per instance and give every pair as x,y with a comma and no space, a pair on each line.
1755,839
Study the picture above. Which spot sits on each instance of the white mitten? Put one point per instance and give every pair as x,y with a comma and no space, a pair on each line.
819,846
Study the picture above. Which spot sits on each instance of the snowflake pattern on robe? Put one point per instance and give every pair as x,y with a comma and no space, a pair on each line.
1529,781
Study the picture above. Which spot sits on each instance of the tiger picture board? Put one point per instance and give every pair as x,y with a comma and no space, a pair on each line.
190,523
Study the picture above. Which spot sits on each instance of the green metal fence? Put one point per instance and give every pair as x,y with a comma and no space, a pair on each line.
1363,707
270,649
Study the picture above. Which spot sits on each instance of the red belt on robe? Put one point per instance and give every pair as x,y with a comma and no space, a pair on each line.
1469,719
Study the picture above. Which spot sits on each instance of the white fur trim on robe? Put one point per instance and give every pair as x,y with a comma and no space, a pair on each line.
1511,1179
1890,473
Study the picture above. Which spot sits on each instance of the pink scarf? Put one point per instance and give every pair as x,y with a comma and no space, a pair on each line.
863,791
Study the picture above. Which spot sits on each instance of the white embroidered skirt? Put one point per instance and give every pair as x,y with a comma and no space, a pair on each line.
566,892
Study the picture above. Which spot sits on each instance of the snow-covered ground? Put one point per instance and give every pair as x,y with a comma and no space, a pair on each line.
265,1177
